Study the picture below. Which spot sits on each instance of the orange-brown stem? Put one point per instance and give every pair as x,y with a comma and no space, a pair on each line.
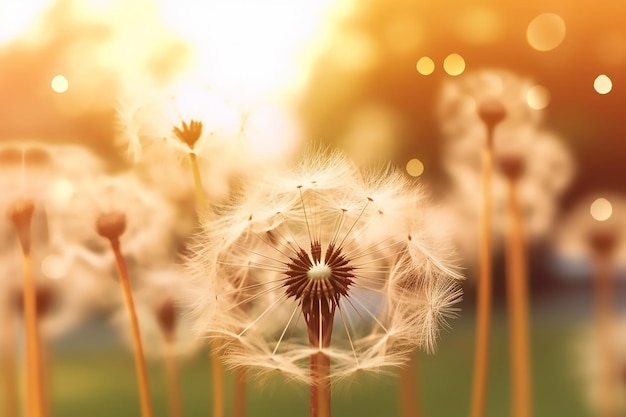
319,365
517,296
9,363
409,392
483,309
217,369
21,214
199,188
173,378
605,325
240,393
140,359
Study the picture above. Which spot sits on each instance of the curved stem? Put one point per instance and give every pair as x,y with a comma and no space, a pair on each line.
172,379
409,393
199,188
217,369
240,393
319,364
34,394
140,360
9,361
483,313
517,295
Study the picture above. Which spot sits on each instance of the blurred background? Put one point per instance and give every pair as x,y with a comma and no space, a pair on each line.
365,76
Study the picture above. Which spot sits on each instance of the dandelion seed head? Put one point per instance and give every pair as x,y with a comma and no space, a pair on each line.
307,263
579,238
485,98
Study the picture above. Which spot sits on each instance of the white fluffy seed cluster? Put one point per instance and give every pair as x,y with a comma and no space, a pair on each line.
402,288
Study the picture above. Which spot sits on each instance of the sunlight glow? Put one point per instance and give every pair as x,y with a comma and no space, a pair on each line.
602,84
454,64
252,46
601,209
546,31
17,17
425,65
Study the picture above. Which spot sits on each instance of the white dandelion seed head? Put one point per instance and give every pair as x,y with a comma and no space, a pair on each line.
149,222
461,98
166,326
572,239
66,293
317,259
546,169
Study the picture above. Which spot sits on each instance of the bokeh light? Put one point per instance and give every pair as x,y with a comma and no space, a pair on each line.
602,84
59,84
425,65
415,167
538,97
601,209
546,31
454,64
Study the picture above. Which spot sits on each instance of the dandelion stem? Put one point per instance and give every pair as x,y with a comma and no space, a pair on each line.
217,369
483,319
319,364
605,323
21,214
173,379
409,394
9,361
199,188
517,295
240,393
140,359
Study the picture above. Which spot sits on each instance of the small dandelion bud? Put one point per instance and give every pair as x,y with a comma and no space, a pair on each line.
491,112
166,318
21,214
602,241
45,298
189,133
511,165
111,225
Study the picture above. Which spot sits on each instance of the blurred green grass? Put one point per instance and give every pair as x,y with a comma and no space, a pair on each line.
99,381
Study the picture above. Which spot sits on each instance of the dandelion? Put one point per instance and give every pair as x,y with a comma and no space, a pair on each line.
487,121
123,212
319,273
598,233
470,104
187,121
34,178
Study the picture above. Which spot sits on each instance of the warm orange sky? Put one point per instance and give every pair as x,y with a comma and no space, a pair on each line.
367,59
